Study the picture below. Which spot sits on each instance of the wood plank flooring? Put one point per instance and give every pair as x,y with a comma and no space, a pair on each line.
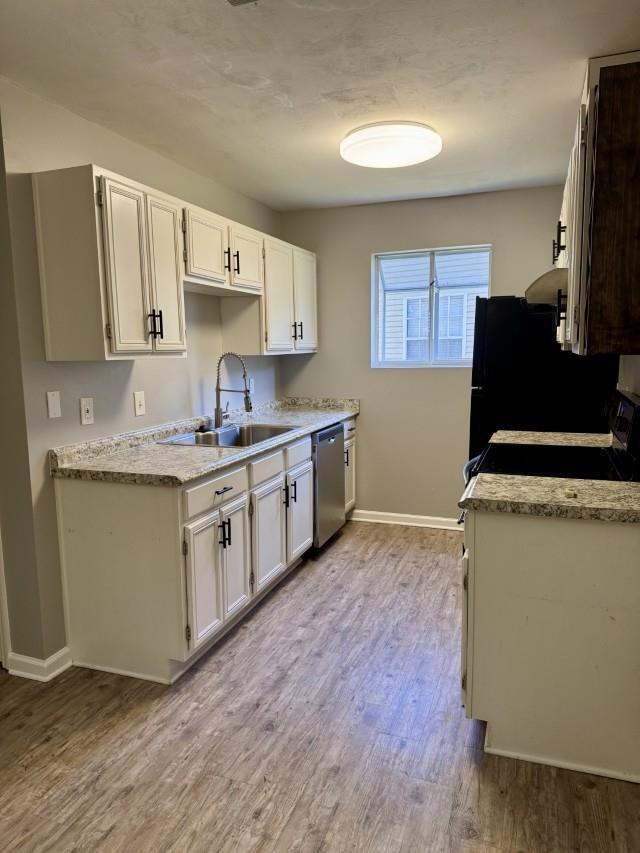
328,721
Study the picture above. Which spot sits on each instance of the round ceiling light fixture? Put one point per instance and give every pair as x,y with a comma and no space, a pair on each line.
390,144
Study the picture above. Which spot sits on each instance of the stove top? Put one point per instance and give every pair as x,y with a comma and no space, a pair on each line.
619,462
540,460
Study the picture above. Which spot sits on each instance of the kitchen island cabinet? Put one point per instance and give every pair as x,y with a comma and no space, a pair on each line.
551,625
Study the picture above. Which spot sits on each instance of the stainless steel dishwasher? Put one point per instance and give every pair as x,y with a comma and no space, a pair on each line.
328,481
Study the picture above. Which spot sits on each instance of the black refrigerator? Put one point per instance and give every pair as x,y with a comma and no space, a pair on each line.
523,380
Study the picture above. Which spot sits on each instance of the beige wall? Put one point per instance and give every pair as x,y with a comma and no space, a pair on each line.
38,136
630,373
413,433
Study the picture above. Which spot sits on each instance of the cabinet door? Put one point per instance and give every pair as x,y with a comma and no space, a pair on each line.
127,279
207,246
268,531
349,474
204,586
247,268
236,557
165,273
305,300
574,228
465,626
278,296
299,511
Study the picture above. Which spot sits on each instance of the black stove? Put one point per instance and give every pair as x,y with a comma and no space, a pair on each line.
621,461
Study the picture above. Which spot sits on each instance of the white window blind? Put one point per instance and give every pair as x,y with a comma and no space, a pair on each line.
423,306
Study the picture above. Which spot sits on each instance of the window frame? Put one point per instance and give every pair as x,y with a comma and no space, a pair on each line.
405,325
377,336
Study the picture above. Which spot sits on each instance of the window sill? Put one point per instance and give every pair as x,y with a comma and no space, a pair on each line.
403,365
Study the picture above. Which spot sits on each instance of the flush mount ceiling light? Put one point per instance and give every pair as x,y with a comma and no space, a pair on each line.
390,144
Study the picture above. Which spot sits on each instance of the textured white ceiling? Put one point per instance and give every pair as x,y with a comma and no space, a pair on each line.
260,95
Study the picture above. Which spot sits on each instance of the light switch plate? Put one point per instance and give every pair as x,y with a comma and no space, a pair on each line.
54,409
139,405
86,410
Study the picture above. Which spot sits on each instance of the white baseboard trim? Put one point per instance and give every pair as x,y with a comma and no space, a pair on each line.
410,520
38,669
565,765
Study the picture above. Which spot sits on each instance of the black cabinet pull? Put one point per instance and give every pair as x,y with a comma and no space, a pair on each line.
236,255
294,492
227,260
301,335
223,491
295,331
346,456
225,527
558,245
161,332
286,496
153,331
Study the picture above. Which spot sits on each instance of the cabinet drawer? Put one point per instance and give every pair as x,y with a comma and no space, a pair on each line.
297,453
349,427
266,468
214,493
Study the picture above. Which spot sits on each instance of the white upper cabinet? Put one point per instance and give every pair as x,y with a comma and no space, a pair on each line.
285,319
207,252
165,272
278,296
115,257
110,258
143,272
126,267
247,268
305,301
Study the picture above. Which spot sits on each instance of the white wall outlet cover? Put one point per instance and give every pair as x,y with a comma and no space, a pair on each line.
139,405
54,409
86,410
252,385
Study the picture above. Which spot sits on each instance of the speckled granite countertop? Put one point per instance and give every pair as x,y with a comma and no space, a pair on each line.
561,439
554,497
136,457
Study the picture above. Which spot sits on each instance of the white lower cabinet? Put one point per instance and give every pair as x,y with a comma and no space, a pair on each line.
349,474
551,633
299,491
236,555
269,540
204,579
153,576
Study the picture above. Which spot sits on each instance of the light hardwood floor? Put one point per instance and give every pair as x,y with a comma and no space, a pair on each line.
328,721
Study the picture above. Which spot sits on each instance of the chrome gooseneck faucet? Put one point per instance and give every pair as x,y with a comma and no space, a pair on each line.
247,399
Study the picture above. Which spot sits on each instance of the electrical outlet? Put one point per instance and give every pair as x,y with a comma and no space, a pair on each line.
252,385
139,407
86,410
54,409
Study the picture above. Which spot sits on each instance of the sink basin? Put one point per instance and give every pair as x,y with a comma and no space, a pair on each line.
233,435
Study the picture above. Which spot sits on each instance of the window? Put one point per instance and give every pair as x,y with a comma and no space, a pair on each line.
424,305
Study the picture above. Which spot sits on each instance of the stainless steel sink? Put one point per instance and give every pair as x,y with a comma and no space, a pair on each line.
233,435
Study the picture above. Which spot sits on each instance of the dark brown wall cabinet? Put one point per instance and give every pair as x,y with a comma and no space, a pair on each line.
598,235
